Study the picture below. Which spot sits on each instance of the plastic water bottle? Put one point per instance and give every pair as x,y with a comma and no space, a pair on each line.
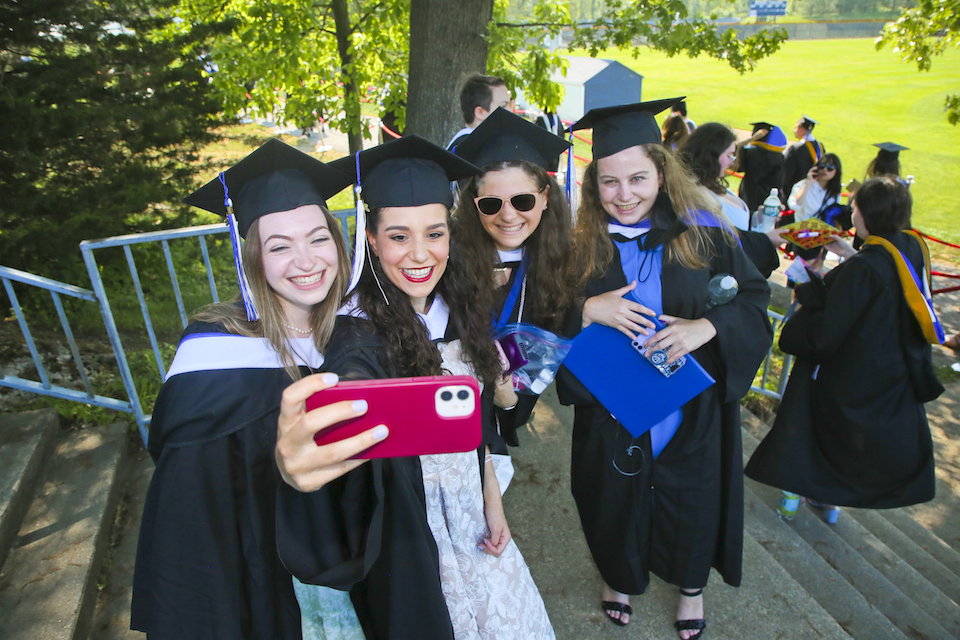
721,289
789,503
771,207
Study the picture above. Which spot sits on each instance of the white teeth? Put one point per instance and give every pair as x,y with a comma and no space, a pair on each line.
417,273
626,207
511,229
305,280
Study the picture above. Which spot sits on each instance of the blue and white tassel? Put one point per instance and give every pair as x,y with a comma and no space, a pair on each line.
237,243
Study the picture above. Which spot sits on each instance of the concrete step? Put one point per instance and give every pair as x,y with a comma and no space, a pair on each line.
924,538
847,606
907,549
26,439
867,564
48,585
112,617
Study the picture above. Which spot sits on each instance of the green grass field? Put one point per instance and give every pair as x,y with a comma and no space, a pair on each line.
859,95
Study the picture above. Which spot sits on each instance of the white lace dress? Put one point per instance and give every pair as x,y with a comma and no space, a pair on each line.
488,597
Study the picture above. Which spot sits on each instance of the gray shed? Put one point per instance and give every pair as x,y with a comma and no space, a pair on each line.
591,83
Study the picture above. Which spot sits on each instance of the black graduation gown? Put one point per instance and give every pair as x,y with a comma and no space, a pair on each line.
762,253
796,163
762,170
857,435
207,566
367,531
682,513
500,428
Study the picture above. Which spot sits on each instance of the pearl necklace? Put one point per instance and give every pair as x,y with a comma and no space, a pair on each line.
305,332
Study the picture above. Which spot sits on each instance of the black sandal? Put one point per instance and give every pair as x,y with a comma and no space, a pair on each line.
691,625
620,607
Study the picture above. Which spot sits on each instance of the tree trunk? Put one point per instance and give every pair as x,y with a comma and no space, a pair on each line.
446,45
351,93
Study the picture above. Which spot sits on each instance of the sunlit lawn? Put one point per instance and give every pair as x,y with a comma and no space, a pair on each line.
859,95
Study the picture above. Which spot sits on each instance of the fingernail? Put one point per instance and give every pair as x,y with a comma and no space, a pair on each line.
360,406
379,433
330,378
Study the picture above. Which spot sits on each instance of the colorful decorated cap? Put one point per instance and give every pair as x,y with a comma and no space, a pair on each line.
504,136
624,126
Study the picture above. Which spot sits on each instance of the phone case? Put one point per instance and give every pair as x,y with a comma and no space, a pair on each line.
425,415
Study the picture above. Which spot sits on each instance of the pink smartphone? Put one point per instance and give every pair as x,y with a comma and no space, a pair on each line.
430,414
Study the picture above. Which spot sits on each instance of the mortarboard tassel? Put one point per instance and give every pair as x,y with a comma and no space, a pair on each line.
360,241
237,243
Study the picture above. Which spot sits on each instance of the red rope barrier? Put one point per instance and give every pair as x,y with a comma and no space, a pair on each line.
387,129
949,244
945,275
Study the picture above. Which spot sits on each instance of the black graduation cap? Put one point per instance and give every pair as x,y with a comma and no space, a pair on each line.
761,125
504,136
274,177
624,126
808,122
407,172
890,150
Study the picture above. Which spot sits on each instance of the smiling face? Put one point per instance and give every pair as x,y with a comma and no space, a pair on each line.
727,158
510,228
413,244
629,183
299,259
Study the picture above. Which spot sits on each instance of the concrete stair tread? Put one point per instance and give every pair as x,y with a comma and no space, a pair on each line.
924,538
905,595
847,606
48,584
25,442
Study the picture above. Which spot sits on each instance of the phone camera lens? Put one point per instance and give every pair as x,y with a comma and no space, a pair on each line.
446,396
463,394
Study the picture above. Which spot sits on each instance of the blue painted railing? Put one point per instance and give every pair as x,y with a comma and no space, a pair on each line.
99,296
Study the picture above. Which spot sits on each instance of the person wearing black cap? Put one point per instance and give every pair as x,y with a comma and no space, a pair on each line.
886,162
760,159
402,533
801,156
207,565
516,228
649,242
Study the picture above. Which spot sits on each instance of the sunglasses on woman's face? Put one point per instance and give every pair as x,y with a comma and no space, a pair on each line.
491,205
827,167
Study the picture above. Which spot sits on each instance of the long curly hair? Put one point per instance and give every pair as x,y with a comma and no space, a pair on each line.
552,287
272,317
680,197
409,350
701,151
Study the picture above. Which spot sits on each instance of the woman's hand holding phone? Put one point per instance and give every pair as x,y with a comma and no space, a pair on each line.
304,465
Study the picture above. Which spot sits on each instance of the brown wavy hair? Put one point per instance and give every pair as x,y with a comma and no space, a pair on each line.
552,287
701,152
270,325
409,350
680,197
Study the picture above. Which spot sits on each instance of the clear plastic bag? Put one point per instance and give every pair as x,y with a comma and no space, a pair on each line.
534,354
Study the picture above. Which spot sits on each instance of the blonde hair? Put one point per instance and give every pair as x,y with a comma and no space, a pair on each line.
693,248
272,317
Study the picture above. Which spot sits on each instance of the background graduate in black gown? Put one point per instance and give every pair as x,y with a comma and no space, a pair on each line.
670,505
207,565
524,216
851,429
393,532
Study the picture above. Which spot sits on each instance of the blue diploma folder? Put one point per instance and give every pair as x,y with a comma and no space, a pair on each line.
635,393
